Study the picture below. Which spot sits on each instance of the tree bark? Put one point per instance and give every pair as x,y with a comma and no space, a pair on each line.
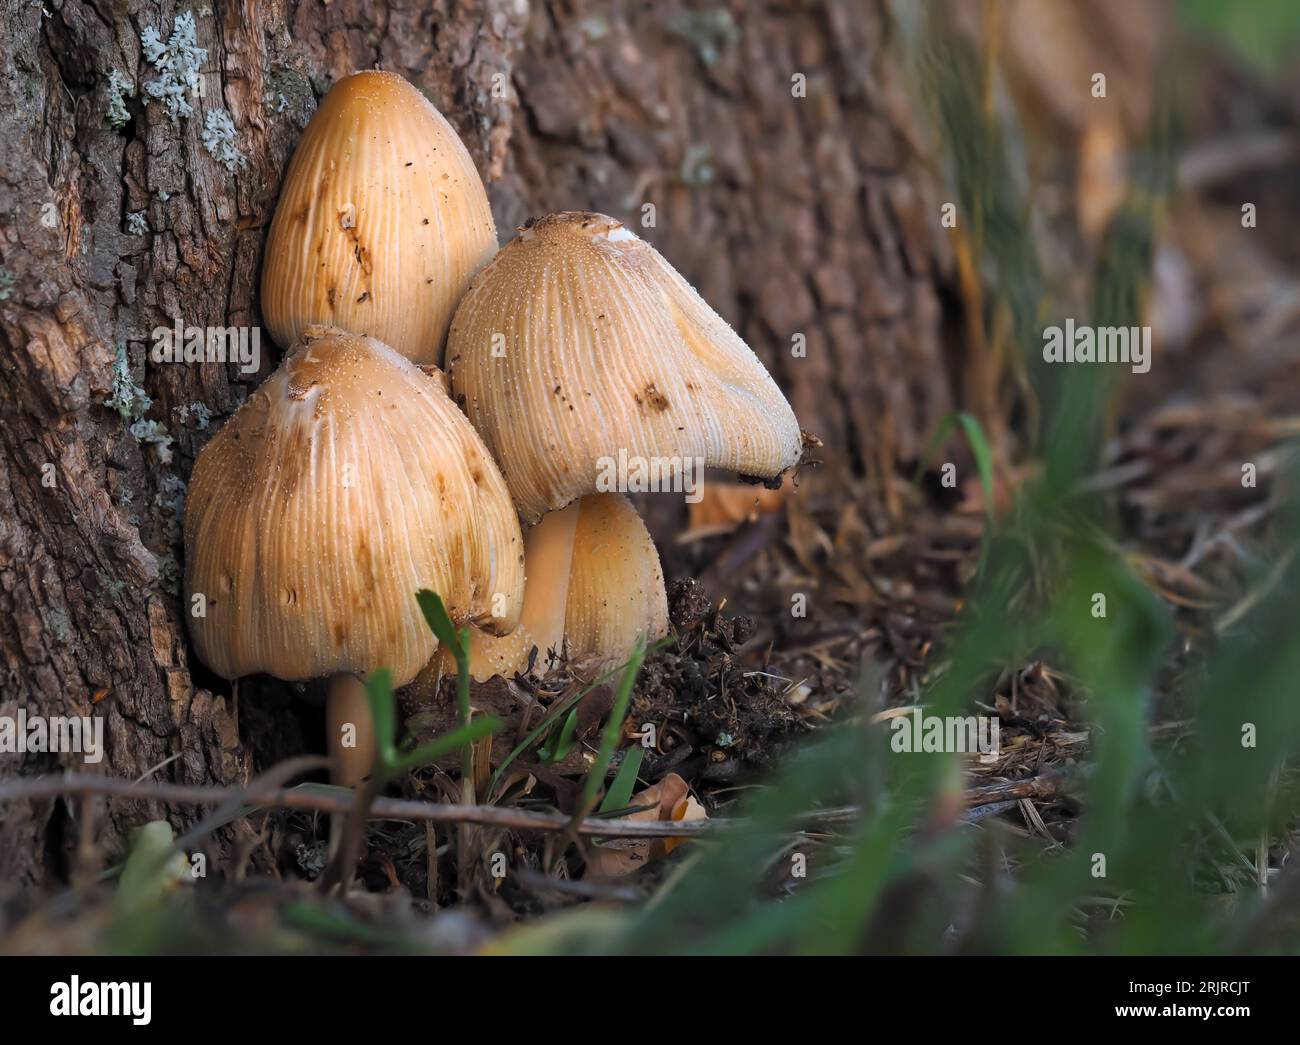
793,215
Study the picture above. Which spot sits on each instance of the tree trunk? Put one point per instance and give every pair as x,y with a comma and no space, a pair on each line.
794,215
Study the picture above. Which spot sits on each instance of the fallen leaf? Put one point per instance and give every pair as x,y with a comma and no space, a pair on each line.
723,507
670,801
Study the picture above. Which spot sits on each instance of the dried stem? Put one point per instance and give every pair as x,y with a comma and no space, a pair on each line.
1044,785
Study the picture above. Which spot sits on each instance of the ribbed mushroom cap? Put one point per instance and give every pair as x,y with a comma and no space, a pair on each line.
344,485
580,341
381,223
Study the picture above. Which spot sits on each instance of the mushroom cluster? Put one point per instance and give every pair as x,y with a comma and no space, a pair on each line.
359,472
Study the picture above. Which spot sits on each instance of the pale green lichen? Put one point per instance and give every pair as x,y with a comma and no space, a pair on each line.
697,166
169,573
177,61
58,624
156,435
7,281
126,397
289,93
131,403
112,585
170,503
712,32
594,27
119,89
194,413
219,140
137,224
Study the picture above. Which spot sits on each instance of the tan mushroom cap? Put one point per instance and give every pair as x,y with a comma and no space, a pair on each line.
580,341
615,595
381,223
345,484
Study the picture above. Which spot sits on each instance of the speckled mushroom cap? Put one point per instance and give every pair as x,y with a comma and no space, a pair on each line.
345,484
381,223
579,341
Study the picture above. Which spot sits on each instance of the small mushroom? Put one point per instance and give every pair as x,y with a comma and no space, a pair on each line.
381,223
347,482
614,585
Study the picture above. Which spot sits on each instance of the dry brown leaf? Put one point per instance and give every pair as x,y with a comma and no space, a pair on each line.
671,801
724,506
687,809
1102,179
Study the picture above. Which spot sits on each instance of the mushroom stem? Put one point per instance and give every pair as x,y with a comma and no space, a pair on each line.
350,730
616,584
548,558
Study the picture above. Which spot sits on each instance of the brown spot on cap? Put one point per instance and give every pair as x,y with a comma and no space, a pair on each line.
655,398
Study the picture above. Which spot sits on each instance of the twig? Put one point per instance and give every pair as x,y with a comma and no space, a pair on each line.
1047,784
383,808
274,777
1231,156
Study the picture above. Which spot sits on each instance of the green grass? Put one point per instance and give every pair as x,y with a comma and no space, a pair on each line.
1162,860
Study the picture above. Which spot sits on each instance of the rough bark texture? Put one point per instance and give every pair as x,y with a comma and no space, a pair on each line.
793,215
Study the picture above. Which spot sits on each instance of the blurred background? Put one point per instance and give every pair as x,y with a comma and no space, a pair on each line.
890,202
